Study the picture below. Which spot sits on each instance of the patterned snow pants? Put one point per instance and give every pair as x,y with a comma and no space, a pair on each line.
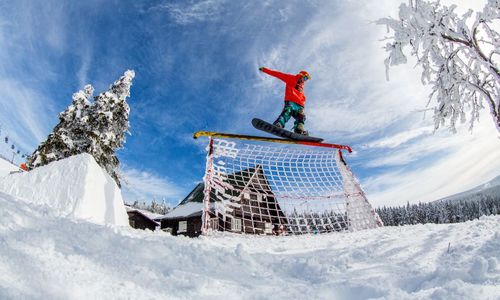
294,110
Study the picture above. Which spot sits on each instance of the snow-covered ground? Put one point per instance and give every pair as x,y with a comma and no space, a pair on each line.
48,251
6,167
46,256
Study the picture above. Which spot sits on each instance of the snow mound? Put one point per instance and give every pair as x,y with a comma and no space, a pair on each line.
6,167
43,256
75,187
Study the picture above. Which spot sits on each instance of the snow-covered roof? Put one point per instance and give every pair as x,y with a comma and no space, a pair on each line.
146,213
192,205
189,209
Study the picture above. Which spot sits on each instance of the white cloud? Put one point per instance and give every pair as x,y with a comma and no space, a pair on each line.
191,12
350,101
348,95
86,60
465,161
145,186
400,138
24,113
27,69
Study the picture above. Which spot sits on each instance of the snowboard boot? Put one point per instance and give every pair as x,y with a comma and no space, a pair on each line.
300,130
278,124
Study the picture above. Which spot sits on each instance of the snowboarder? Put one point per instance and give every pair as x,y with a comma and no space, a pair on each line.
295,99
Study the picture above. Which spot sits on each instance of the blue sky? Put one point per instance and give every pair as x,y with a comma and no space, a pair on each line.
196,65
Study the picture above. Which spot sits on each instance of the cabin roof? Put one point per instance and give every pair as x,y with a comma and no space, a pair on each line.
150,215
192,205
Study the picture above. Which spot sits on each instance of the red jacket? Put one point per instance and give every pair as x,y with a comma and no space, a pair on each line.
294,91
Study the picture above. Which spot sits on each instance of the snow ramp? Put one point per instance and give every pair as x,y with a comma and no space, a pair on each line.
75,187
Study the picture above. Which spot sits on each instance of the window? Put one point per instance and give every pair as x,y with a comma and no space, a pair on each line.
236,225
268,228
182,227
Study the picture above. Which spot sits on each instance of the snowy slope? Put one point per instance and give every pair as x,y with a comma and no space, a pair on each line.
48,251
491,188
46,256
75,187
6,167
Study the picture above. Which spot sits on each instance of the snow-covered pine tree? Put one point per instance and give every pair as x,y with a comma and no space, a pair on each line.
96,128
458,54
109,123
69,137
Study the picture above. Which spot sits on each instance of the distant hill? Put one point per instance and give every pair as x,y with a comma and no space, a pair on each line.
490,189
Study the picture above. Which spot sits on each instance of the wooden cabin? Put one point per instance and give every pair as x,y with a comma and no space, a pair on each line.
141,219
249,207
185,218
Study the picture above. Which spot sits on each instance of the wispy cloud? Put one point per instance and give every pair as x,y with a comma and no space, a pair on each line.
463,161
197,69
25,113
350,101
193,11
85,65
337,43
145,186
400,138
34,41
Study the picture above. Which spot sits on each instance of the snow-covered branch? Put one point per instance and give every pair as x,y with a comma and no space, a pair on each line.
459,57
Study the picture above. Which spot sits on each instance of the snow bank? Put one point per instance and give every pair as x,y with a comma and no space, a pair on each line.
6,167
74,187
43,256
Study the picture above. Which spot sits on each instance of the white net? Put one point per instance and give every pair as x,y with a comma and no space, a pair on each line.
269,188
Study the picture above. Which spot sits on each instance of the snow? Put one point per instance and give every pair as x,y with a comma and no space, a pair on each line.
146,213
49,250
185,210
6,167
46,256
75,187
491,187
492,183
457,54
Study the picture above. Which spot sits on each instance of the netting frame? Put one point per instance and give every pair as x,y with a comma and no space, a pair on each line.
352,192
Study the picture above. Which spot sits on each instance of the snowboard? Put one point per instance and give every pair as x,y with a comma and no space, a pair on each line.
270,128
